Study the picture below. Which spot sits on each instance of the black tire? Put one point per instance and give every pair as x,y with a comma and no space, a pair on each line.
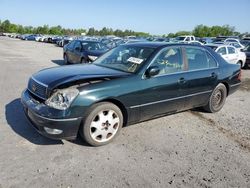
240,63
66,61
83,61
217,99
88,131
247,66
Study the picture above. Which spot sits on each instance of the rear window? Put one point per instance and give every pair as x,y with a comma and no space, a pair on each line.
199,59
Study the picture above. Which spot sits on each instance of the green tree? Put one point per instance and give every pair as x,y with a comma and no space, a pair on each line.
5,26
56,30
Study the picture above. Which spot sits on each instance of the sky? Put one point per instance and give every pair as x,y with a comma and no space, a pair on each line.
153,16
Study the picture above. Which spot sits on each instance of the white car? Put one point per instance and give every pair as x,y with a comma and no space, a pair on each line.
231,40
237,45
229,53
184,38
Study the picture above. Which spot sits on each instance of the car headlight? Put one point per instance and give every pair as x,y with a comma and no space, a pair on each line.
62,98
92,58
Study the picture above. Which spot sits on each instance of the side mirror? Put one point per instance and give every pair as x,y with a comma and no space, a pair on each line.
152,71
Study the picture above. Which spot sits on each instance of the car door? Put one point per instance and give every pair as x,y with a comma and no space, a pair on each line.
162,92
232,55
200,78
77,52
69,51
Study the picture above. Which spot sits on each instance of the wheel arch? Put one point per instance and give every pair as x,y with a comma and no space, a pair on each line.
121,106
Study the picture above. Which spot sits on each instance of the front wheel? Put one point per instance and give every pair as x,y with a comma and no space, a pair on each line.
217,99
102,124
66,61
240,63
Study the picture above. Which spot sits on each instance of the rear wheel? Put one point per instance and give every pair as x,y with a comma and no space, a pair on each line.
102,124
217,99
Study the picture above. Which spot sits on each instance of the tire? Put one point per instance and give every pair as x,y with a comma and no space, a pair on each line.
83,61
240,63
102,124
247,66
66,61
217,99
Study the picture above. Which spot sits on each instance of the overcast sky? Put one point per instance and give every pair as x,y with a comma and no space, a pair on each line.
153,16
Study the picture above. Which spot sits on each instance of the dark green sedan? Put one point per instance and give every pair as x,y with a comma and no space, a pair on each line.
126,85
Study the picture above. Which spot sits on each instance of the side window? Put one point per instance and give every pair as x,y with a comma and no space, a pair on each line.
231,50
169,60
211,62
188,39
197,58
77,45
222,51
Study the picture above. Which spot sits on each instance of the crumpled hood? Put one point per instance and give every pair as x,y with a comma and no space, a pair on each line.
54,77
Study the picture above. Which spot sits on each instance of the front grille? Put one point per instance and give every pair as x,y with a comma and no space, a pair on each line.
37,88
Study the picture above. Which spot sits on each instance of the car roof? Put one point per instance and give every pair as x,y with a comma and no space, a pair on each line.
93,41
159,44
218,45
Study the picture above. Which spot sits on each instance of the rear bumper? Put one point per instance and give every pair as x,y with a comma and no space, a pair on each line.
54,128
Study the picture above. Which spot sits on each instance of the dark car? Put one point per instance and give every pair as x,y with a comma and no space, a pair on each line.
247,52
83,51
30,37
128,84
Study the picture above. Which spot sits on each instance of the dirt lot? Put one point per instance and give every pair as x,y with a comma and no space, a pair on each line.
189,149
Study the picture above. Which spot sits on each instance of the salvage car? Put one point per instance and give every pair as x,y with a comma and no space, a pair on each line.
83,51
128,84
229,53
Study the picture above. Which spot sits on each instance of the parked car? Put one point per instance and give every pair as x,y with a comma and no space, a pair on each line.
65,40
237,45
184,38
229,53
83,51
30,37
247,52
128,84
232,40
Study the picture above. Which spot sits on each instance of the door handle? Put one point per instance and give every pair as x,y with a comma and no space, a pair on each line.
213,75
182,81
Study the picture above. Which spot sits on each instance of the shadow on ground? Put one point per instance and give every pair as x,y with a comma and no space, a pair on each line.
58,61
18,122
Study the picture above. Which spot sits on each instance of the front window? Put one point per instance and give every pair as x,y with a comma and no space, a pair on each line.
222,51
92,46
169,60
231,50
125,58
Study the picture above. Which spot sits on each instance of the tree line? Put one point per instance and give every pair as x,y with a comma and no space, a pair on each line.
206,31
199,31
8,27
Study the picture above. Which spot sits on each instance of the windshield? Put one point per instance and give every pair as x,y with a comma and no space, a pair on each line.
92,46
125,58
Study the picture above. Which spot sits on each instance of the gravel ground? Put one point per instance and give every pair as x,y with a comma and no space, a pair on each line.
188,149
